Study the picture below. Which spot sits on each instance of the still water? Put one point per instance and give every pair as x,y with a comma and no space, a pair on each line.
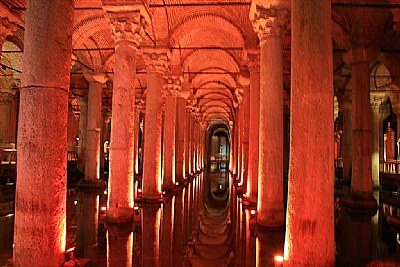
189,231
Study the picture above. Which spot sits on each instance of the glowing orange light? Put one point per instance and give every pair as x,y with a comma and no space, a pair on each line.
103,208
278,258
252,212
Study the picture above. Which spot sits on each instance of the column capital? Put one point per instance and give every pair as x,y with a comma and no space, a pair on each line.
7,28
95,77
269,22
128,22
172,85
156,60
5,98
376,99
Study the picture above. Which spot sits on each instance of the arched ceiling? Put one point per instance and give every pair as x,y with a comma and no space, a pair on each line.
209,41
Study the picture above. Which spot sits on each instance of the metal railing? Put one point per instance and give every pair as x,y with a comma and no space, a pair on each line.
219,157
390,166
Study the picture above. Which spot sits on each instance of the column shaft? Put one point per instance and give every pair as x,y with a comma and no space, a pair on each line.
180,140
40,215
310,212
245,134
347,140
361,181
121,178
152,147
92,166
270,173
252,180
169,141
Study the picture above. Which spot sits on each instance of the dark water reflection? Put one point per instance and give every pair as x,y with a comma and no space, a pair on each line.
160,233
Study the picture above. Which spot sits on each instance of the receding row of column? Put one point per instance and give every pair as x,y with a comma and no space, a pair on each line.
42,139
309,218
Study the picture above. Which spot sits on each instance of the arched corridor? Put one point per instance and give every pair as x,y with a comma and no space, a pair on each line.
194,133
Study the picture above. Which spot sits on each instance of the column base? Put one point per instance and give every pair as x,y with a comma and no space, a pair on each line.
119,215
92,184
273,219
154,199
360,204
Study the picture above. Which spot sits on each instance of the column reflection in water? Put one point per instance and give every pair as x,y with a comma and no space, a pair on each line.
357,242
250,242
119,245
167,237
269,244
178,240
151,216
88,222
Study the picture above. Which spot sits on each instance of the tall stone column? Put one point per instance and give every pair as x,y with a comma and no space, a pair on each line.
5,113
239,121
128,30
138,107
376,100
345,106
254,119
173,84
269,23
180,140
245,82
361,181
92,166
187,140
310,206
83,108
13,118
40,203
156,62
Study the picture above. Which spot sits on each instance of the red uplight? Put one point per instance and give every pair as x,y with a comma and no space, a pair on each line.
253,212
103,208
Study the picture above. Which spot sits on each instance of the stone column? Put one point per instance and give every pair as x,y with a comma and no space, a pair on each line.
310,206
173,84
269,23
92,165
239,131
254,119
376,99
136,138
128,30
187,140
82,100
180,140
345,105
40,204
5,112
245,82
14,107
361,181
156,62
